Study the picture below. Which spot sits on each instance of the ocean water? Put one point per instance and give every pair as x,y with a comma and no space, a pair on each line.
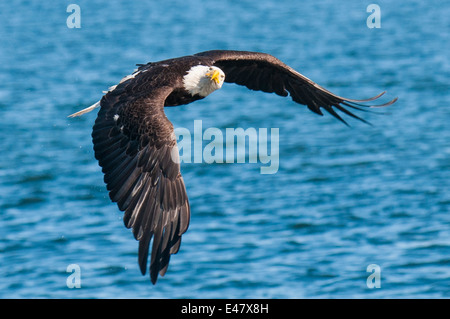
341,200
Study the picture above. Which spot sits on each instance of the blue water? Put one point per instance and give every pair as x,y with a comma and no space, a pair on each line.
342,199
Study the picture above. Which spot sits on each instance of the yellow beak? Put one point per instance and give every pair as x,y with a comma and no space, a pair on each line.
215,76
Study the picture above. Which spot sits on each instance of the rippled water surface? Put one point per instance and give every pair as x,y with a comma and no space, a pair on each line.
342,199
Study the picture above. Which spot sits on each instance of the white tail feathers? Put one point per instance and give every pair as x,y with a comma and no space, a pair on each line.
86,110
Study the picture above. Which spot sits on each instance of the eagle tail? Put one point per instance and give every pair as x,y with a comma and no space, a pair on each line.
86,110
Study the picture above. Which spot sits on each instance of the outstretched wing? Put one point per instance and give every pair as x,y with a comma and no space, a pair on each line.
263,72
135,145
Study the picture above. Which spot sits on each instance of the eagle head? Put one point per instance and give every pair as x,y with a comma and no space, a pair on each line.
203,80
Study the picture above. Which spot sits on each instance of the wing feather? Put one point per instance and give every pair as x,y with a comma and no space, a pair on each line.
264,72
133,141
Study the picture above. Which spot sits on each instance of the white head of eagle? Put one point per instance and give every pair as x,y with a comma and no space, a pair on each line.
203,80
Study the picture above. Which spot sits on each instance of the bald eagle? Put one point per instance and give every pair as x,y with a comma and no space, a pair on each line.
134,141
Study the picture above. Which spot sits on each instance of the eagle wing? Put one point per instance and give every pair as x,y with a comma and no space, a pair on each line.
136,147
263,72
